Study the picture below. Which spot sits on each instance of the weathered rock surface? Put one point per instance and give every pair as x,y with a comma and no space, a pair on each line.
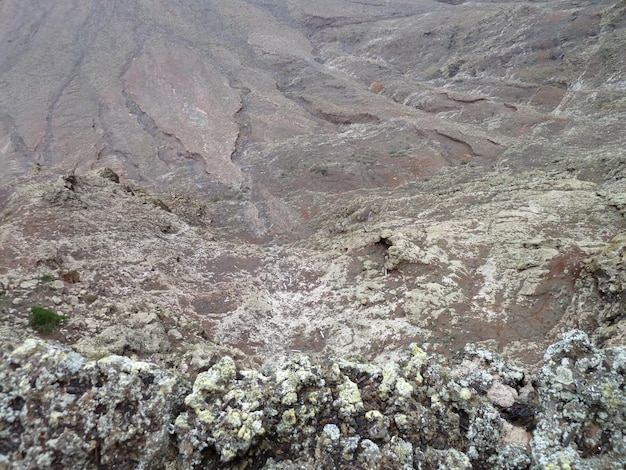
60,410
580,416
140,275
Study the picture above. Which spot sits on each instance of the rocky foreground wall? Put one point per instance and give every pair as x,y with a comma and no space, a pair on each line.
61,410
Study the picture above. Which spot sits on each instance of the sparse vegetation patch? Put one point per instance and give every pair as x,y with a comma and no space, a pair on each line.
45,320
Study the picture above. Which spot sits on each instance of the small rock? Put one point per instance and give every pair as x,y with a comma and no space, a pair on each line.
108,174
144,318
174,335
29,284
370,455
199,358
512,434
502,395
376,87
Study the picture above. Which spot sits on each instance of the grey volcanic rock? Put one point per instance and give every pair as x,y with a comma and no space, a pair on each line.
60,410
581,418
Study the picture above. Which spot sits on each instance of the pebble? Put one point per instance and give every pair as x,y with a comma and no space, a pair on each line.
174,334
502,395
29,284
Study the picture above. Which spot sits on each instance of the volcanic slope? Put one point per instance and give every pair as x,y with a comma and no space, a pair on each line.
329,177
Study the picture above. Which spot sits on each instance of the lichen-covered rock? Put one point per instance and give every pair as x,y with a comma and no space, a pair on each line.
117,339
349,400
401,250
445,458
510,457
60,410
598,305
338,415
219,419
581,421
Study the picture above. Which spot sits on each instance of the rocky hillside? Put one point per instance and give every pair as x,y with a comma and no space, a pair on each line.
315,185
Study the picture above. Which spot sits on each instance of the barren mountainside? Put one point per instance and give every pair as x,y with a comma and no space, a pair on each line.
263,181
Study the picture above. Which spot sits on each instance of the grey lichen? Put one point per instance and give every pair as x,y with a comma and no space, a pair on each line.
60,408
582,407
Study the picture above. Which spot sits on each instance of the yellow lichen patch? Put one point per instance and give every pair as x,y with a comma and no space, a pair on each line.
26,349
611,400
233,418
413,368
139,367
227,455
205,416
562,464
435,402
217,377
244,433
181,424
166,386
350,397
289,417
374,416
289,398
54,418
195,402
456,460
465,394
390,376
404,388
401,420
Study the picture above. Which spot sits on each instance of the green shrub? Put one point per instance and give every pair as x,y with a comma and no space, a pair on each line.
46,278
45,320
